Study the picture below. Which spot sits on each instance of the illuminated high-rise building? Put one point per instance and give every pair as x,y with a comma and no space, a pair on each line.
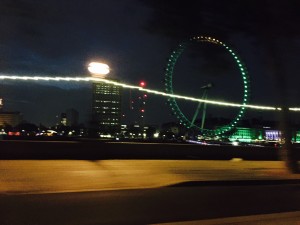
106,107
138,105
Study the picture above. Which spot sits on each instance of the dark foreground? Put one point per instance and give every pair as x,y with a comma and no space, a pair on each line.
146,206
22,149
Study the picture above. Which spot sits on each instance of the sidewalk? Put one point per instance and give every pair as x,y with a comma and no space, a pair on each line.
47,176
288,218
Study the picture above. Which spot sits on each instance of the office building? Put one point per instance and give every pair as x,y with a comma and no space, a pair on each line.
106,107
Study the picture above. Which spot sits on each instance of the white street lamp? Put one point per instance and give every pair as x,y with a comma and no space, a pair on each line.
98,69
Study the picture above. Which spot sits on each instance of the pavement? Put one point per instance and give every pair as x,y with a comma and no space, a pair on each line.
54,176
286,218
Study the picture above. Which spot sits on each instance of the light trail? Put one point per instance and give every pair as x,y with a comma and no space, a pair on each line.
294,109
94,79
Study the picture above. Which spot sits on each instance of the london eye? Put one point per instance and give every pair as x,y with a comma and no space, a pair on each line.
189,122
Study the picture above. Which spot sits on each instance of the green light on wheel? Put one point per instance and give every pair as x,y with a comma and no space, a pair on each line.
169,88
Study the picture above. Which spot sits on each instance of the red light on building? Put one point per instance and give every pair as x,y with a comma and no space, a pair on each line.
142,110
145,96
142,83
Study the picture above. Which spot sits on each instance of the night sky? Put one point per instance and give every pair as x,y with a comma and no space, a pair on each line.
135,38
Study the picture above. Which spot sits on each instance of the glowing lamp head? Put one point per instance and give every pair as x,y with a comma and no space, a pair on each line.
98,69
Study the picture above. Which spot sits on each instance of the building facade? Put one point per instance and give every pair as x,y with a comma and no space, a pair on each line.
10,118
106,107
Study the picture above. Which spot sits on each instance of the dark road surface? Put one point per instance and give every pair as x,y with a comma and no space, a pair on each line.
93,150
146,206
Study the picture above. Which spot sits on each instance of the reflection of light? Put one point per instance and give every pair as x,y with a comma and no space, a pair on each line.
105,135
235,143
156,135
142,83
98,69
98,79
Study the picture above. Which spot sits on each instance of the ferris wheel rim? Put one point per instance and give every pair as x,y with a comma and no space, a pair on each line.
169,85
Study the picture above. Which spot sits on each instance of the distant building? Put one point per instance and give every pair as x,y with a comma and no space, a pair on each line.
173,127
69,118
138,102
273,135
63,119
244,134
72,117
10,118
106,107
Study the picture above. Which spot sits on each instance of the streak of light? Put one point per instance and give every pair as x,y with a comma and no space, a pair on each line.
94,79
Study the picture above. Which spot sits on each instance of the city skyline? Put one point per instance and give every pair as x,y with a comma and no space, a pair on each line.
136,40
149,112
